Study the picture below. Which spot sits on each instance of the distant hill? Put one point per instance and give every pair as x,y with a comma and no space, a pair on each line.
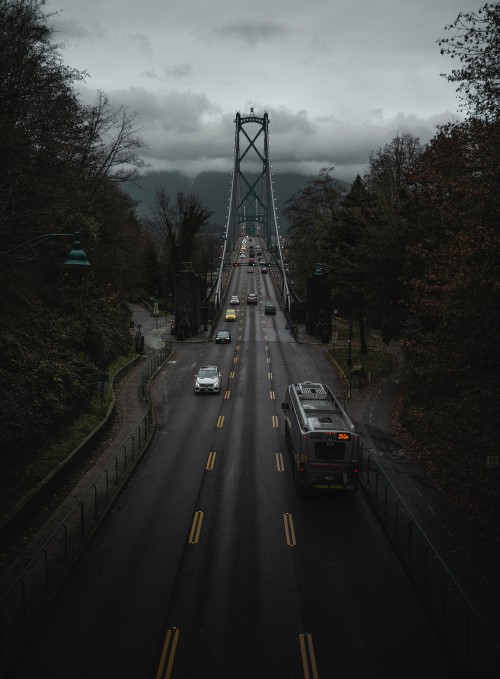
213,188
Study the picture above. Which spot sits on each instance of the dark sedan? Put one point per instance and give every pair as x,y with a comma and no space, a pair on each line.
223,337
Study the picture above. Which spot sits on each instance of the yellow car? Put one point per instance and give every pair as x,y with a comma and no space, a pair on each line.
230,315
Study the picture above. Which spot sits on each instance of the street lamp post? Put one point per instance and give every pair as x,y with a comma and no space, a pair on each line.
349,347
75,257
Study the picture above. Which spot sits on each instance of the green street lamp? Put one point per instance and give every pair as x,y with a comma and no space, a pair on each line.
75,257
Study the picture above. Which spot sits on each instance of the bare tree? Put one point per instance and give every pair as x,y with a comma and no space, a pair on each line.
110,143
176,224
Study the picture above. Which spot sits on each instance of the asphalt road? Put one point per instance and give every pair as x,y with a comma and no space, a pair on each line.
212,564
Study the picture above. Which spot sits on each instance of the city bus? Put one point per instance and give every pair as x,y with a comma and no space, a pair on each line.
321,439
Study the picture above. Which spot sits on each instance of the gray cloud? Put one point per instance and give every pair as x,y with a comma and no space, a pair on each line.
252,32
188,132
143,44
179,71
74,30
339,80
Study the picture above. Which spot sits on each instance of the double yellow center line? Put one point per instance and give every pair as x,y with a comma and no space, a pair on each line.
211,460
194,536
308,656
289,530
168,654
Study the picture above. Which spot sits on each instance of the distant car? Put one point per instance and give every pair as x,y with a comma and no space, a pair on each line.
207,380
269,309
235,299
230,315
252,298
223,337
264,270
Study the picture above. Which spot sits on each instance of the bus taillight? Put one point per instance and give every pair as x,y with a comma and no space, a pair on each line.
302,469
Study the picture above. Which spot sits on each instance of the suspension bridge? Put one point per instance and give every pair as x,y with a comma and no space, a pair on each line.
251,212
252,208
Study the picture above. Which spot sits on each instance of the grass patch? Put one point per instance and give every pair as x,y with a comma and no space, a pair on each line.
378,361
62,445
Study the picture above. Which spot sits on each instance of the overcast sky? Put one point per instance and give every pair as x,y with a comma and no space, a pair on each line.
338,79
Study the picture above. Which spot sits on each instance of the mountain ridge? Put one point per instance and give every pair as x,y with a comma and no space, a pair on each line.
214,189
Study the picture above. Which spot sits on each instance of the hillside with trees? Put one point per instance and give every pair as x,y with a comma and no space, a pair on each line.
61,171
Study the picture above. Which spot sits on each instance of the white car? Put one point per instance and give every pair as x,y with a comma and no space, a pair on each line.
207,380
235,300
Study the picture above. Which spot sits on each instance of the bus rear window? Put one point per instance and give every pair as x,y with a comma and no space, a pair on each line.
328,451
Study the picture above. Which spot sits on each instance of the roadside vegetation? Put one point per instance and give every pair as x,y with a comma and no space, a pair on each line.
31,470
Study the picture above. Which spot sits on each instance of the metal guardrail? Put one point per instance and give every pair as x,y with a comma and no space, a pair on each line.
35,586
472,646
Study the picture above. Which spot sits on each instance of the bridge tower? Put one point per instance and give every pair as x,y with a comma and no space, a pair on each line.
251,208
